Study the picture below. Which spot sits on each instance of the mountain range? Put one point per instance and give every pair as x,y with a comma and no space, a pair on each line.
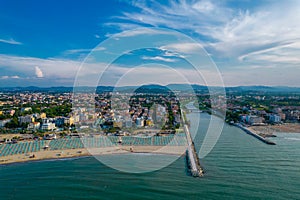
152,88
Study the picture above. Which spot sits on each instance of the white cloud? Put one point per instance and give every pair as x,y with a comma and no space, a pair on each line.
159,58
38,72
285,54
182,47
10,41
63,72
76,51
9,77
231,32
172,53
51,67
157,74
180,15
204,6
141,31
55,71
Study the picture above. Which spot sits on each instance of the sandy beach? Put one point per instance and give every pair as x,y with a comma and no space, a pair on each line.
273,129
70,153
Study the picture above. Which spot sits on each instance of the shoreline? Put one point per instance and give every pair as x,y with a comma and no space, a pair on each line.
271,130
45,160
83,152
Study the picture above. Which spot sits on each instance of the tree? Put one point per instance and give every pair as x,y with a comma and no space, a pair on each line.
13,123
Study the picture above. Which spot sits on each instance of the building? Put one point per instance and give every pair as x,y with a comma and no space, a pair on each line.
154,113
282,116
275,118
69,121
139,122
59,122
45,120
10,112
76,118
83,117
48,126
128,123
33,126
292,115
26,109
254,120
43,115
26,119
118,124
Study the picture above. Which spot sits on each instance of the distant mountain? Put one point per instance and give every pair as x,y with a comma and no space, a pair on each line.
187,87
36,89
263,89
153,89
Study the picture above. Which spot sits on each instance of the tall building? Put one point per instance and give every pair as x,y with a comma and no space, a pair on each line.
154,114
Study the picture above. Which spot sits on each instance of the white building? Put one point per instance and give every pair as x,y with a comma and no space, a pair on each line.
139,122
33,126
48,126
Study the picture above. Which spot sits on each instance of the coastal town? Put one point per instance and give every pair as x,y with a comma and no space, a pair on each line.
265,113
43,115
44,124
37,125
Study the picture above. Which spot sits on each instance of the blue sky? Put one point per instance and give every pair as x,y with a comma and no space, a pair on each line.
43,43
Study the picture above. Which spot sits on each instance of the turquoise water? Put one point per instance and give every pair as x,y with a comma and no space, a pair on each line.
239,167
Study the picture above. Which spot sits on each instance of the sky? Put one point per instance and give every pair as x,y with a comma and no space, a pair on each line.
46,43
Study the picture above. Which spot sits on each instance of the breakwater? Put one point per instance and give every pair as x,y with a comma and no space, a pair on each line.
246,130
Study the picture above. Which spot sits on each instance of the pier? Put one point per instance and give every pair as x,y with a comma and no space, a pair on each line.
192,156
255,135
191,153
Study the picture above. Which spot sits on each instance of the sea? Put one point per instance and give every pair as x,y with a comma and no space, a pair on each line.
238,167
